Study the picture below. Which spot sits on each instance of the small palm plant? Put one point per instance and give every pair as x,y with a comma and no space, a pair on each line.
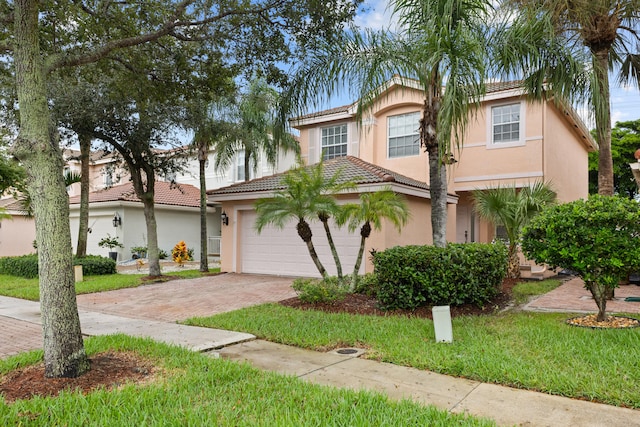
368,214
513,209
307,194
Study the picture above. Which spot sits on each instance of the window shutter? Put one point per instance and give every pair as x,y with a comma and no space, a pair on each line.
353,133
313,146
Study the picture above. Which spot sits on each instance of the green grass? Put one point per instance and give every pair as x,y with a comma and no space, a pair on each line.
194,390
523,291
535,351
19,287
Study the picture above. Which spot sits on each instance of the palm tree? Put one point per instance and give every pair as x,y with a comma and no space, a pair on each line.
568,48
368,214
512,209
443,47
254,132
307,194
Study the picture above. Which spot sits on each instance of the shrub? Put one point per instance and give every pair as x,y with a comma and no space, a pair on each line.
367,284
27,265
325,290
180,253
412,276
162,254
21,266
598,238
94,265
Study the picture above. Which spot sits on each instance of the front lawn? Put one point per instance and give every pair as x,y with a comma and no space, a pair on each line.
192,389
18,287
536,351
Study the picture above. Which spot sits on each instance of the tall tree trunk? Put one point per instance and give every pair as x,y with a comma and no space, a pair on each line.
603,122
247,164
202,159
325,223
83,220
64,353
437,169
152,233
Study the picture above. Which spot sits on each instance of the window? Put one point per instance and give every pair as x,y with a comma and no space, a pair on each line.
108,177
403,135
334,142
505,121
240,176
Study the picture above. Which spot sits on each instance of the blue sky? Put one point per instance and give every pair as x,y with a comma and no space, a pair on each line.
625,102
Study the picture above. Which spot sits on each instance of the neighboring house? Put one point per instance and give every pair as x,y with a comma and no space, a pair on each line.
105,172
510,141
18,233
177,211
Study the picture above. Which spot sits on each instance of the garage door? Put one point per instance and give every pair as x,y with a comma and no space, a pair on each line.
282,251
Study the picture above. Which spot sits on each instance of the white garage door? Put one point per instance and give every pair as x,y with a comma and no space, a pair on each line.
282,251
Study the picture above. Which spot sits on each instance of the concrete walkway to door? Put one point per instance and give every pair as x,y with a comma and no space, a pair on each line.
181,299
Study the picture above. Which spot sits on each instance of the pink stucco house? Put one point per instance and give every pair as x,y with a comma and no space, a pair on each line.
509,141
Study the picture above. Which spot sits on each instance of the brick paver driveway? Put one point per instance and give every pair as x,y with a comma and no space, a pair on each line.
181,299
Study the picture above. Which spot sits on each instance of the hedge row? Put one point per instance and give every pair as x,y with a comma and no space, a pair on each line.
27,265
413,276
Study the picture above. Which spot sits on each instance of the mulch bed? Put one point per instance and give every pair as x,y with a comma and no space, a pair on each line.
363,304
109,370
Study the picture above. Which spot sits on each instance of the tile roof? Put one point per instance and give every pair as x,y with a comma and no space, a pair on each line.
11,204
166,193
352,168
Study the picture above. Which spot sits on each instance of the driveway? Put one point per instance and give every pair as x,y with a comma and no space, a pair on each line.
181,299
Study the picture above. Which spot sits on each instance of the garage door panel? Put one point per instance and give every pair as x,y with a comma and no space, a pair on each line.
281,251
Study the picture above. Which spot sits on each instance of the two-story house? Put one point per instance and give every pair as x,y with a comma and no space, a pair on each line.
510,141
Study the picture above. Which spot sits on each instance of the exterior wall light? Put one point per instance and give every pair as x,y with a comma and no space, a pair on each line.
224,218
116,221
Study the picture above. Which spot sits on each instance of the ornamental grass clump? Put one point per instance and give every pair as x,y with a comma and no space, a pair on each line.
180,253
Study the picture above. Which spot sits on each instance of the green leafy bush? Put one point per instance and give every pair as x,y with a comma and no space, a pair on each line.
27,265
367,284
412,276
21,266
325,290
94,265
598,238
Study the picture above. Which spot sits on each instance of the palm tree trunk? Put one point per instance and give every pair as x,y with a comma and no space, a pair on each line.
513,271
304,231
37,148
202,159
83,220
325,223
365,232
603,121
437,169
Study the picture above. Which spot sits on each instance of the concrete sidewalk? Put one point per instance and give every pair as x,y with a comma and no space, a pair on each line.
505,405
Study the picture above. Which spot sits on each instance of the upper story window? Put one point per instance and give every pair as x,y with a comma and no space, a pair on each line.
404,138
108,177
505,123
334,142
239,172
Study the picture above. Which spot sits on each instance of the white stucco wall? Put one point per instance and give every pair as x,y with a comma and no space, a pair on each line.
174,223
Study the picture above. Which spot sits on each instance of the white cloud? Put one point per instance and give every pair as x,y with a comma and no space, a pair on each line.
375,15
